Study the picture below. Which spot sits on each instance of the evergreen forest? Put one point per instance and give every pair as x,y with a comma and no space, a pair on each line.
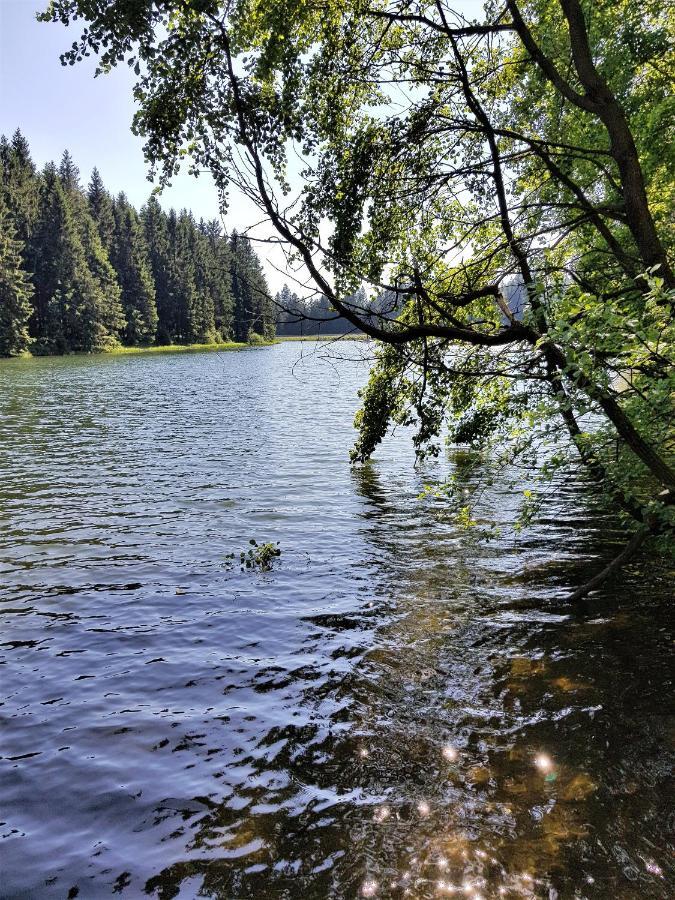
84,271
299,316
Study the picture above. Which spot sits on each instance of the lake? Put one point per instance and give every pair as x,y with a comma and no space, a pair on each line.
398,708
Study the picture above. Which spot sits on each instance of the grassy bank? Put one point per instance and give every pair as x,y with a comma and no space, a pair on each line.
183,348
192,348
164,348
359,336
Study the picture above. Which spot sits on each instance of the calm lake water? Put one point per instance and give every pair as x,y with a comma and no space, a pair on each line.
397,709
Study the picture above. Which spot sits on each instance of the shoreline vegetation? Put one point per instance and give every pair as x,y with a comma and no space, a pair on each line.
82,271
322,338
224,346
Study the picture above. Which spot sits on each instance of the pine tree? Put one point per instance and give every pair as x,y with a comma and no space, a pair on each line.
202,311
69,173
289,312
181,278
129,256
100,271
53,231
191,308
15,289
101,317
106,316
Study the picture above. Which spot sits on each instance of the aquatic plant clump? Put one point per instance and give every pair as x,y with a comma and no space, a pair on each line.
258,556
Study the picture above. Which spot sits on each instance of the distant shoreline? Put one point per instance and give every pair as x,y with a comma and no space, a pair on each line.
193,348
184,348
359,336
129,351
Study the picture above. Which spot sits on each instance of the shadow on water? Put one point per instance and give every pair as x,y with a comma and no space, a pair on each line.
466,739
400,709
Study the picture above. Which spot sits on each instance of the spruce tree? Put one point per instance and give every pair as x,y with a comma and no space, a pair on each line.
202,309
289,312
20,184
181,278
101,209
76,296
15,289
105,315
219,277
101,318
69,173
100,271
189,312
129,256
254,311
156,230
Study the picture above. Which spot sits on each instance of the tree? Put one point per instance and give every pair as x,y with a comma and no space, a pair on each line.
76,293
253,306
101,209
15,290
183,271
19,184
130,259
528,150
103,272
100,317
217,277
156,228
202,327
291,312
69,173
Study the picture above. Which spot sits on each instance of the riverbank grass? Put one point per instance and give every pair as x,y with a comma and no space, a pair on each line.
356,336
182,348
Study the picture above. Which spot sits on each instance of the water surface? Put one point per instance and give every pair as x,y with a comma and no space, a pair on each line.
396,709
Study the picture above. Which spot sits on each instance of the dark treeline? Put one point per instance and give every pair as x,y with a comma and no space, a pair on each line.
81,270
297,316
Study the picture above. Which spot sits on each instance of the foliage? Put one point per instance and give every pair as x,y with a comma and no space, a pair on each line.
509,180
253,308
15,290
258,556
102,274
130,258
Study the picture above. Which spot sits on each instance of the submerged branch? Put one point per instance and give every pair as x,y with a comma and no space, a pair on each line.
626,554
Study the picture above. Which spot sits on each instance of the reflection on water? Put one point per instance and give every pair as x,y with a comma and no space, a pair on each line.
397,709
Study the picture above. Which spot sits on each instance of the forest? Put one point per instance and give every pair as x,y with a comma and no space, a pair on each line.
307,316
297,316
84,271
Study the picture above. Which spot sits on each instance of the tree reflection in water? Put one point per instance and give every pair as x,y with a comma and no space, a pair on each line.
471,735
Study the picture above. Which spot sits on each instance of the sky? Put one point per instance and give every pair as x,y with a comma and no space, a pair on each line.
64,107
